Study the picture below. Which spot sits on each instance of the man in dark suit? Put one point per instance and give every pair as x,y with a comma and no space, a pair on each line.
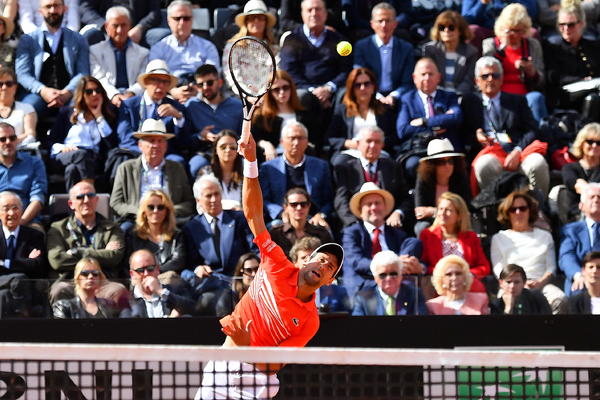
369,236
351,173
295,169
503,119
216,238
21,258
154,103
426,113
152,299
145,15
389,57
150,171
50,61
579,238
392,295
309,54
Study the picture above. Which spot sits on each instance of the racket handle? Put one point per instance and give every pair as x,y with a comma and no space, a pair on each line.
245,132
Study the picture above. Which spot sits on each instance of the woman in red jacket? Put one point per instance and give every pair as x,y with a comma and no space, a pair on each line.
451,234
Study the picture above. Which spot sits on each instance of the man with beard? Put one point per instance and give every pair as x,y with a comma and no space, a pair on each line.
210,113
51,60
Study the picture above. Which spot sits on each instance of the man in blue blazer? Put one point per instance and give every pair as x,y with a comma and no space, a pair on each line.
154,103
215,228
370,235
50,61
390,58
427,112
392,295
579,238
295,169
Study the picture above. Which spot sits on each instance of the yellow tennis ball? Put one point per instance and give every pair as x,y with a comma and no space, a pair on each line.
344,48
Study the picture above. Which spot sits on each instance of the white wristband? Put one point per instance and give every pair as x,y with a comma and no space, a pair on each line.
250,169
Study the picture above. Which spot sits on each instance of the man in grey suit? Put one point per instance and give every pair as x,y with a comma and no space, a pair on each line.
150,171
117,61
51,60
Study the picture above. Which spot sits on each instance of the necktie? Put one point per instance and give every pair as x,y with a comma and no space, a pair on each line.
390,306
155,111
371,173
493,115
376,244
596,229
10,249
430,106
217,238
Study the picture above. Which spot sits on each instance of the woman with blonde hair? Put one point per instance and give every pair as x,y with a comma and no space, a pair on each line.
155,231
577,175
454,57
451,234
452,279
88,278
521,57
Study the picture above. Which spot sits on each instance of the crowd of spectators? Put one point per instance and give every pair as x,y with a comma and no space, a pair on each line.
454,155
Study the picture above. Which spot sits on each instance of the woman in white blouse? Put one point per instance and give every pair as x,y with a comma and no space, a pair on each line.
226,166
21,116
359,108
525,245
90,123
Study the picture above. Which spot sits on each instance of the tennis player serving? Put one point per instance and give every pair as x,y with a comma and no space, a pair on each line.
279,307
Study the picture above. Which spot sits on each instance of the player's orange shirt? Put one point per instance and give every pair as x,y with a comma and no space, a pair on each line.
278,317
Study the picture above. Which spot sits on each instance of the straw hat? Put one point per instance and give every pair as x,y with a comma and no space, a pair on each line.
255,7
157,67
9,27
371,188
154,128
440,148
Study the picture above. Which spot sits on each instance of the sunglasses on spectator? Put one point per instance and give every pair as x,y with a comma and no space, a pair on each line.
250,271
450,27
158,81
361,85
443,161
493,75
280,89
10,138
592,142
90,195
520,209
228,146
205,83
148,268
86,272
157,207
569,25
185,18
515,31
298,203
384,275
91,91
8,84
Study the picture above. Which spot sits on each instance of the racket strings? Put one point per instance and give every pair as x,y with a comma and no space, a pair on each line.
251,66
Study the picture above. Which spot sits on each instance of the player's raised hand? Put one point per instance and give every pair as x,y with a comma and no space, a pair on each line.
247,149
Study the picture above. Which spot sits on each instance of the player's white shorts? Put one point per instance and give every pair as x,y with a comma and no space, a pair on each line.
236,380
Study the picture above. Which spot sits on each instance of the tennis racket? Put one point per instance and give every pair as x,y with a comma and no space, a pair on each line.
252,68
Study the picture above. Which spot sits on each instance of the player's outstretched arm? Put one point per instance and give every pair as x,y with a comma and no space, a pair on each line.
252,201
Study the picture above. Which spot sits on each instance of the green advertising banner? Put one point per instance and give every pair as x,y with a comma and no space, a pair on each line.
516,383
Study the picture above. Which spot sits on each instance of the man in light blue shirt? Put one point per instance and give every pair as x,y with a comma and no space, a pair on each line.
182,51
